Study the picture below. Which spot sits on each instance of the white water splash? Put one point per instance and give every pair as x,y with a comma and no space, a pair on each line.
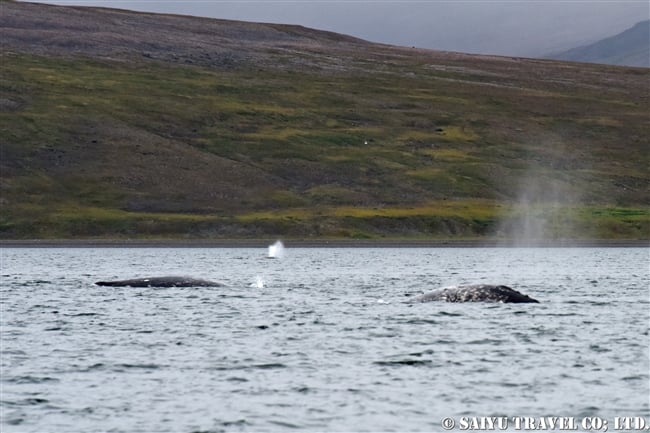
276,251
259,282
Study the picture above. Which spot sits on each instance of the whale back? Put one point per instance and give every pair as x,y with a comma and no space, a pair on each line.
161,282
475,293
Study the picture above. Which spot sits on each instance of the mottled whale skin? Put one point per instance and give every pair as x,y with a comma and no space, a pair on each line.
161,282
474,293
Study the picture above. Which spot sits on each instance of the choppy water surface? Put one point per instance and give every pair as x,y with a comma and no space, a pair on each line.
325,345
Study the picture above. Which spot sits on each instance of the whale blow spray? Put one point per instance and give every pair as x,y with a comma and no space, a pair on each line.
276,251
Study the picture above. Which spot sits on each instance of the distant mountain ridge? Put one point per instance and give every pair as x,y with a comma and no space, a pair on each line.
629,48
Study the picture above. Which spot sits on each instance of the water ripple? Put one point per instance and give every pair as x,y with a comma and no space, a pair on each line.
401,362
312,350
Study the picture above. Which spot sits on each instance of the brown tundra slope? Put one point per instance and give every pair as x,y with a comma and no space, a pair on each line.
124,124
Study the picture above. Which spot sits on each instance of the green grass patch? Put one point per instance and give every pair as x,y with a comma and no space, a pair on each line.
263,150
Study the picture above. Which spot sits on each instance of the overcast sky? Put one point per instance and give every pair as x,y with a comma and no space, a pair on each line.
522,28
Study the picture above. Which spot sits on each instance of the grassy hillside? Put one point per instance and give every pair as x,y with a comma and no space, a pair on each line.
114,125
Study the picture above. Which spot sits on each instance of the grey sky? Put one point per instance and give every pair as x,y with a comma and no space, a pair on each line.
524,27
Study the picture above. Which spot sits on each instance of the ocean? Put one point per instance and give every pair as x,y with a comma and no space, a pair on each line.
321,339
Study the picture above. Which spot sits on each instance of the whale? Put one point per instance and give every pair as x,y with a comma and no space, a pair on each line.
161,282
474,293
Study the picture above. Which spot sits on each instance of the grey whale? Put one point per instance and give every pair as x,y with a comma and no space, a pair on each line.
474,293
161,282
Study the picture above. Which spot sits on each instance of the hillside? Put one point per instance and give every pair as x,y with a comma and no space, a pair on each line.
118,124
630,48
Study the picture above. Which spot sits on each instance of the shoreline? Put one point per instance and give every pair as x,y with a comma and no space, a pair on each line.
321,243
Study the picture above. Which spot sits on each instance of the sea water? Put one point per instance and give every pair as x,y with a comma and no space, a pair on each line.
319,340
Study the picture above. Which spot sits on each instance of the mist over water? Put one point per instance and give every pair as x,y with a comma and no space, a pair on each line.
545,211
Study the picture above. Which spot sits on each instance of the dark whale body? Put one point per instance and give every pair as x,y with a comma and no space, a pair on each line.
161,282
474,293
